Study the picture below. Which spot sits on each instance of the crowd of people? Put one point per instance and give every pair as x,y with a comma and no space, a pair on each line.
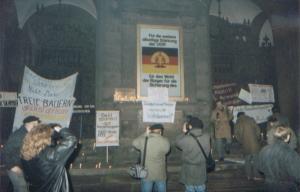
36,153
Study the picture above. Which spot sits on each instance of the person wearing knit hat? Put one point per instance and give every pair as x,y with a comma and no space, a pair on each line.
12,153
157,147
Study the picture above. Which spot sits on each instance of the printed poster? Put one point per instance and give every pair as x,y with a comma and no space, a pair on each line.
107,128
159,60
262,93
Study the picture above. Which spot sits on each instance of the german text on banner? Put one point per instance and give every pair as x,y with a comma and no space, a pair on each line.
8,99
50,100
36,85
48,110
227,93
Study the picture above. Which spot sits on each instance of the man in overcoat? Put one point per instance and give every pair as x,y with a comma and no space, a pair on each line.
193,169
221,118
155,160
247,133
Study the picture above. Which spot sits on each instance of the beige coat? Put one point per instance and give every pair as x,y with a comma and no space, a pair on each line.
157,149
248,133
221,120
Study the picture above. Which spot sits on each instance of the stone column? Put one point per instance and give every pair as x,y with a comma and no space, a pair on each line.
108,51
100,41
203,65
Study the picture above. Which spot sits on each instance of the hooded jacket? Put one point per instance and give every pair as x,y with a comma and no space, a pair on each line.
46,172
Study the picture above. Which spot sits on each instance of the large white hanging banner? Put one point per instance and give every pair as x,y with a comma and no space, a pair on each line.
259,112
48,110
50,100
36,85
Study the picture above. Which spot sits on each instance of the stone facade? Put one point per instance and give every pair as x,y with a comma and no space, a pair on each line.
117,57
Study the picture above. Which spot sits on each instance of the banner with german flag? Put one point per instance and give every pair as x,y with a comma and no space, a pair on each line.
160,59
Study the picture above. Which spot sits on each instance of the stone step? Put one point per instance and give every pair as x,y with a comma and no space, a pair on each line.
229,179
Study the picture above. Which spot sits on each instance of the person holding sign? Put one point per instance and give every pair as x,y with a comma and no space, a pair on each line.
155,159
12,153
221,117
44,160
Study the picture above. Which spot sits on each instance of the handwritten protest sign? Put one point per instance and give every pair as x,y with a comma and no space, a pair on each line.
107,128
159,112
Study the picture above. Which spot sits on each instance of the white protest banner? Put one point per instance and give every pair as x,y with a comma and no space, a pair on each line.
159,112
107,128
36,85
262,93
159,59
158,94
8,99
50,100
245,96
48,110
259,112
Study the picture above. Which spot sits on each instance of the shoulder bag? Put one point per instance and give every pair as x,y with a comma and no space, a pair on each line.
139,171
210,162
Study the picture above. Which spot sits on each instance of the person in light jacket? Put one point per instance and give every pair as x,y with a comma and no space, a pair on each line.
193,170
221,117
155,161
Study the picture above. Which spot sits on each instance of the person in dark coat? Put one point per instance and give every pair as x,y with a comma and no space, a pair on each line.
44,161
280,164
12,154
193,169
247,134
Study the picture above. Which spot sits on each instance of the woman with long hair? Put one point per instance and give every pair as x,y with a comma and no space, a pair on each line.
44,160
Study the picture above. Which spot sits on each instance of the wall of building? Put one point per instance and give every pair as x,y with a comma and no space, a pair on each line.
117,57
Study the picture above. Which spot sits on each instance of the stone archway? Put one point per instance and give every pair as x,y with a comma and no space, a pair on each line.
61,41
